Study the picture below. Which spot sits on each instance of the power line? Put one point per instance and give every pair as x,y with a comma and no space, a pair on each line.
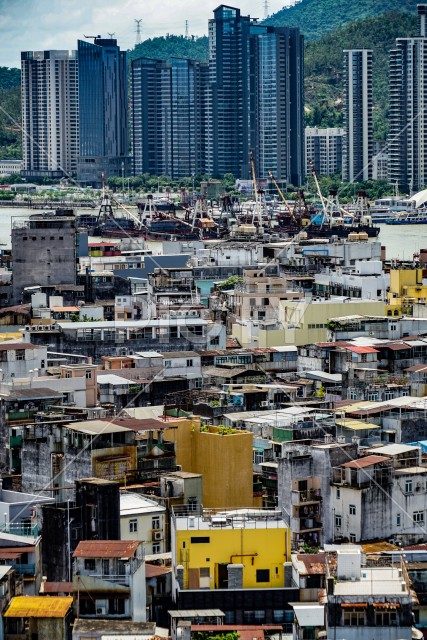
265,9
138,30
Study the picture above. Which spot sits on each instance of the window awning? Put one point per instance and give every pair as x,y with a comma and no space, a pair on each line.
387,605
354,605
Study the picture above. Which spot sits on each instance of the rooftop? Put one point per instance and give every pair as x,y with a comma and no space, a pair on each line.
123,549
367,461
137,504
121,628
39,607
227,519
381,581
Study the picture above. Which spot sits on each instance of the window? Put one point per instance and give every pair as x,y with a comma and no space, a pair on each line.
398,519
20,355
68,374
155,522
88,375
354,618
418,517
156,547
352,509
90,564
352,537
338,521
200,539
168,364
385,618
192,503
408,486
258,456
189,363
215,341
263,575
338,494
133,526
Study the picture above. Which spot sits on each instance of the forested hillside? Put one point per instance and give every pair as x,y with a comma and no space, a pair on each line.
10,113
324,66
317,17
170,46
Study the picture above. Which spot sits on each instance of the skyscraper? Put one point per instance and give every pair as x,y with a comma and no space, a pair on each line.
255,98
228,126
408,110
323,147
168,116
357,150
276,72
50,126
103,111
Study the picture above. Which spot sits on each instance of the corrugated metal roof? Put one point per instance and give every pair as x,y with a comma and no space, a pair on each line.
39,607
106,549
361,349
394,346
394,449
154,570
57,587
367,461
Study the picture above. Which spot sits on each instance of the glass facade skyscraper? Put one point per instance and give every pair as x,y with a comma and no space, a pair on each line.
168,116
358,140
256,98
103,111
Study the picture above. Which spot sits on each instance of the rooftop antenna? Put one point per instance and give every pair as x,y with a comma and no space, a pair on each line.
138,30
111,34
186,29
265,9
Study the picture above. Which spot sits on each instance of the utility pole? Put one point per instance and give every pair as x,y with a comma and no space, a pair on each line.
138,30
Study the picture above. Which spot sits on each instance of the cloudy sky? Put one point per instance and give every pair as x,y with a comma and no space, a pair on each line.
57,24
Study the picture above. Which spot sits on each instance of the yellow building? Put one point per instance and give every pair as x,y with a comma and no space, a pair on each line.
242,549
303,321
406,289
223,456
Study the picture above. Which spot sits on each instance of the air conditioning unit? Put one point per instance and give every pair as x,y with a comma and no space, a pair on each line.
101,611
265,403
157,535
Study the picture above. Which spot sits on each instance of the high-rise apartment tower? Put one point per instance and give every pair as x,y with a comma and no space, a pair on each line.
357,151
50,124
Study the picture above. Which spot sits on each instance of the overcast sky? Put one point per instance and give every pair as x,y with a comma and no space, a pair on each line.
27,25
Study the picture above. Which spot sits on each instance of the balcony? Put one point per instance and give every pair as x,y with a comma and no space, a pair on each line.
24,569
303,525
19,529
311,496
116,579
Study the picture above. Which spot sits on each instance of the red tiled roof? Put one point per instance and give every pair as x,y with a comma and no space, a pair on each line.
106,549
367,461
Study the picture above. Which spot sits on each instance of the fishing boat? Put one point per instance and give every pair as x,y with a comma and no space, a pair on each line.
417,216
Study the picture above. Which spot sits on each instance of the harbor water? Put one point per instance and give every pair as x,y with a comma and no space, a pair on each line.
401,242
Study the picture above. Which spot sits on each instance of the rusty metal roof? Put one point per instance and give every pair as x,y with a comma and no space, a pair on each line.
314,563
154,570
39,607
367,461
57,587
123,549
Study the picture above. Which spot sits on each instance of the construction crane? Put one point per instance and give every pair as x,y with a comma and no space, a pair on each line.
257,211
273,179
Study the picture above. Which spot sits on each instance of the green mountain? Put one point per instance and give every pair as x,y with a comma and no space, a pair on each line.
317,17
324,65
10,113
170,46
